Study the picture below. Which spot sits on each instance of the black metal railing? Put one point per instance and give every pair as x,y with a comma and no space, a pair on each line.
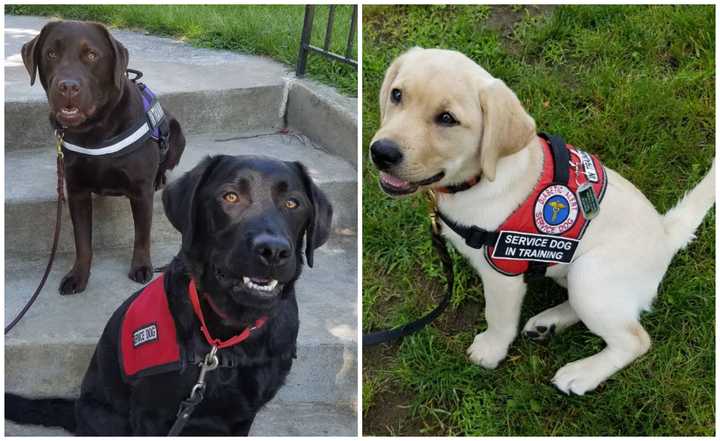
306,48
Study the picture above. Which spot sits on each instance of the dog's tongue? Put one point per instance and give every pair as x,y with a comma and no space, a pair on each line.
394,182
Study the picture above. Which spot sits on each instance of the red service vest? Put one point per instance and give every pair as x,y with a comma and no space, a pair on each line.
148,341
549,224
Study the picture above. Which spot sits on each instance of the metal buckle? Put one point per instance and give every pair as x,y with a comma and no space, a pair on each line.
433,212
59,135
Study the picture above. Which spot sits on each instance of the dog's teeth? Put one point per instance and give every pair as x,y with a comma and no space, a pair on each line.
266,287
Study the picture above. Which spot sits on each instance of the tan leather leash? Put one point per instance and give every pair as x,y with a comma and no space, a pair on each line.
56,238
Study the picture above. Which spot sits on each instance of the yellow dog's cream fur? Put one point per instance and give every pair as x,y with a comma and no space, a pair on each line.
622,257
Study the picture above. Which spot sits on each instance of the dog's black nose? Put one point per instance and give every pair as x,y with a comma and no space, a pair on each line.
385,154
271,250
68,88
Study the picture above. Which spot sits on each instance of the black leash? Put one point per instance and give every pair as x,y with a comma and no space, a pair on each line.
56,237
187,406
440,247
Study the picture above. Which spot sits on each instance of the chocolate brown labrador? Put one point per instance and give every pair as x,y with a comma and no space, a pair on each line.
83,71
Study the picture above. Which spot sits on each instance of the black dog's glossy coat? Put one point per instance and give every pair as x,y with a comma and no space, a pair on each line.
80,65
213,235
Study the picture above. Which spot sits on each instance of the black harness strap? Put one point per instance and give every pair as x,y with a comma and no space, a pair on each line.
475,237
561,175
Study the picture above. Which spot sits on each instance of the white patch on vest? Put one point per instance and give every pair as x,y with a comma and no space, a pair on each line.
156,114
588,166
556,210
145,335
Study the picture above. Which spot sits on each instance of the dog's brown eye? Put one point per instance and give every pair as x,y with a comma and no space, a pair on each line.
51,54
231,197
92,56
446,119
291,203
396,95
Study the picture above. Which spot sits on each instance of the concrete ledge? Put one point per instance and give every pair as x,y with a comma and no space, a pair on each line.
57,369
325,116
249,110
30,192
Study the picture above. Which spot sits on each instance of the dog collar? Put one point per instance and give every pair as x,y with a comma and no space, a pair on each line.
220,344
151,125
459,187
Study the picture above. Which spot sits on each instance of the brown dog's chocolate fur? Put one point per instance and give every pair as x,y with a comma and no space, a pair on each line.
81,66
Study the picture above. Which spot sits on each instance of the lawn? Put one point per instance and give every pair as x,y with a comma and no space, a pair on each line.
272,30
634,85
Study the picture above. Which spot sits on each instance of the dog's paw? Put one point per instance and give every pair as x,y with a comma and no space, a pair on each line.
580,376
141,274
73,283
487,350
538,331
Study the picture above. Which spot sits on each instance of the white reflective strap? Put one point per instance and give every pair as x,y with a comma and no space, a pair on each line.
139,133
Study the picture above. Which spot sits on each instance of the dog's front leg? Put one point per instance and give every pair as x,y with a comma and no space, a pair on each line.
503,302
141,269
80,205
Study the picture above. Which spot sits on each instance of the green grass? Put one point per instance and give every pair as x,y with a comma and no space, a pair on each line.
272,30
634,85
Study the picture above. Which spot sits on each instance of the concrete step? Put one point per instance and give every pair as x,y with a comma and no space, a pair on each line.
47,353
277,418
205,89
30,198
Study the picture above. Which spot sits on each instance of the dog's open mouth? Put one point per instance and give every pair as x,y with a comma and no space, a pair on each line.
398,187
258,286
261,285
70,116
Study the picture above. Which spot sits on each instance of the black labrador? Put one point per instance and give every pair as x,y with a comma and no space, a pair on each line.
95,105
243,221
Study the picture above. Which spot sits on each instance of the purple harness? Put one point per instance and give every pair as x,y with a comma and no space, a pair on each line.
152,110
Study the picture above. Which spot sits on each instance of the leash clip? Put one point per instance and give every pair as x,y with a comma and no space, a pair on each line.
59,135
433,211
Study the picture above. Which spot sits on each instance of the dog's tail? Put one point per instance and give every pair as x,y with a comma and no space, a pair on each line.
51,412
682,220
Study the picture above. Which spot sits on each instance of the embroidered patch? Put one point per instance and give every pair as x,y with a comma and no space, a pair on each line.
156,114
556,210
145,335
514,245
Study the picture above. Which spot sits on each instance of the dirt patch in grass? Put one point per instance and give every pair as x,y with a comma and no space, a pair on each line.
503,19
393,416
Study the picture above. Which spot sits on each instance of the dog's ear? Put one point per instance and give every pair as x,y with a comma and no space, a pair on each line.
390,74
507,127
31,51
318,228
179,199
121,57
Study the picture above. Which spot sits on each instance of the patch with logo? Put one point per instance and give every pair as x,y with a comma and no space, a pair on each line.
556,210
514,245
144,335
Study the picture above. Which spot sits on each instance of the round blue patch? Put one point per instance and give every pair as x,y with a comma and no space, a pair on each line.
556,210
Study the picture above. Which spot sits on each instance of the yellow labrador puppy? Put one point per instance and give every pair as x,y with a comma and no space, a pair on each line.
447,124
